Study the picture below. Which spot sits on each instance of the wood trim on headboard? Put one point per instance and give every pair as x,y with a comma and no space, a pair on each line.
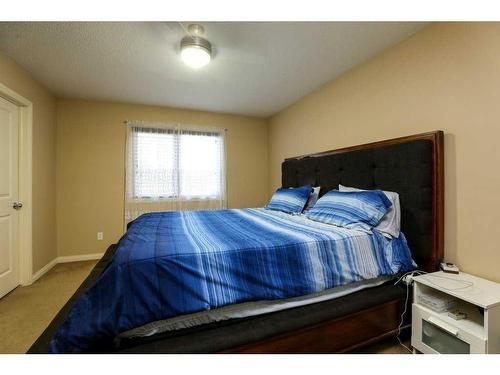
438,195
437,140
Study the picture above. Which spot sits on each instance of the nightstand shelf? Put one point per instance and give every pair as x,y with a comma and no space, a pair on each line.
435,332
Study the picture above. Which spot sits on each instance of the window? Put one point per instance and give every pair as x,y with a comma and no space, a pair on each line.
154,164
174,164
169,163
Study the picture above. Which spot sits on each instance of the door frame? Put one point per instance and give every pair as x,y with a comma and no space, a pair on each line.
25,233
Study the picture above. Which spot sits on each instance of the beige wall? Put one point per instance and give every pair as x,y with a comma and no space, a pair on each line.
90,166
44,159
445,77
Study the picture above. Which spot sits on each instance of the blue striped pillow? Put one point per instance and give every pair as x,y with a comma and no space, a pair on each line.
354,210
290,200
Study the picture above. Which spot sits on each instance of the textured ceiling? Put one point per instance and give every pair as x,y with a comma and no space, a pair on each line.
258,68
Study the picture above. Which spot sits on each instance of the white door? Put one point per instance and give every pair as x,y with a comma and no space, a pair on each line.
9,194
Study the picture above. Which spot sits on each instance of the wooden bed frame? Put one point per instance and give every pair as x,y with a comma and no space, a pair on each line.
364,327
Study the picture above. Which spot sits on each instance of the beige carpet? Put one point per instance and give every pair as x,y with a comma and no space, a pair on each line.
27,311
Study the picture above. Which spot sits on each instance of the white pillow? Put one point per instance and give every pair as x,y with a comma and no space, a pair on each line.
313,198
390,224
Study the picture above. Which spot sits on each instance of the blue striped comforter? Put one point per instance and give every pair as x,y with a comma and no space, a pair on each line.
173,263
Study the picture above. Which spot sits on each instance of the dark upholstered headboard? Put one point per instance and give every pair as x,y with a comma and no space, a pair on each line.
411,166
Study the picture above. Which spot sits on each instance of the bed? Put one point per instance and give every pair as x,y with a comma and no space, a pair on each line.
412,166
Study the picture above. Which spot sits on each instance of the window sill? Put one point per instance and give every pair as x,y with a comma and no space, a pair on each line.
180,199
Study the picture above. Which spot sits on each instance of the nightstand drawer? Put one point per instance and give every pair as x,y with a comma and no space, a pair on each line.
433,334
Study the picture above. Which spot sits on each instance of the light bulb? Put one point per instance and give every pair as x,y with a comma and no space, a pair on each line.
195,56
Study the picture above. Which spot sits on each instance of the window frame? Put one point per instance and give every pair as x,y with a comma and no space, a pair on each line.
177,132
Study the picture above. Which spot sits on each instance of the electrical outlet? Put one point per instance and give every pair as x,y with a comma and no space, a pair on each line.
100,236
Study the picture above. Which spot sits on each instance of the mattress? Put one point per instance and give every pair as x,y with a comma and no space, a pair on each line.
171,264
247,309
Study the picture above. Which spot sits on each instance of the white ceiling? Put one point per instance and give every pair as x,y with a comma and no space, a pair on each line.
258,68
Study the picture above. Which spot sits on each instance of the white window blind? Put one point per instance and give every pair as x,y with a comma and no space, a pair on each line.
174,167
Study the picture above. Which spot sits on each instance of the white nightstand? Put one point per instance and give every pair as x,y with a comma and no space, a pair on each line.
436,332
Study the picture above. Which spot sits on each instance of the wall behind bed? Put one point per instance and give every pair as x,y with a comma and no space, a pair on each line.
445,77
90,166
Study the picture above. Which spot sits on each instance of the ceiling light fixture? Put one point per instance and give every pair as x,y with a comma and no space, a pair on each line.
196,51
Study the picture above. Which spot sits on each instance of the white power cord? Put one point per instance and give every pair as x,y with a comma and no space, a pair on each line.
402,319
407,278
467,284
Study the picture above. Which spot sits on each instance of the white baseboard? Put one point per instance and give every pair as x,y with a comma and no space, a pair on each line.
79,258
65,259
42,271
